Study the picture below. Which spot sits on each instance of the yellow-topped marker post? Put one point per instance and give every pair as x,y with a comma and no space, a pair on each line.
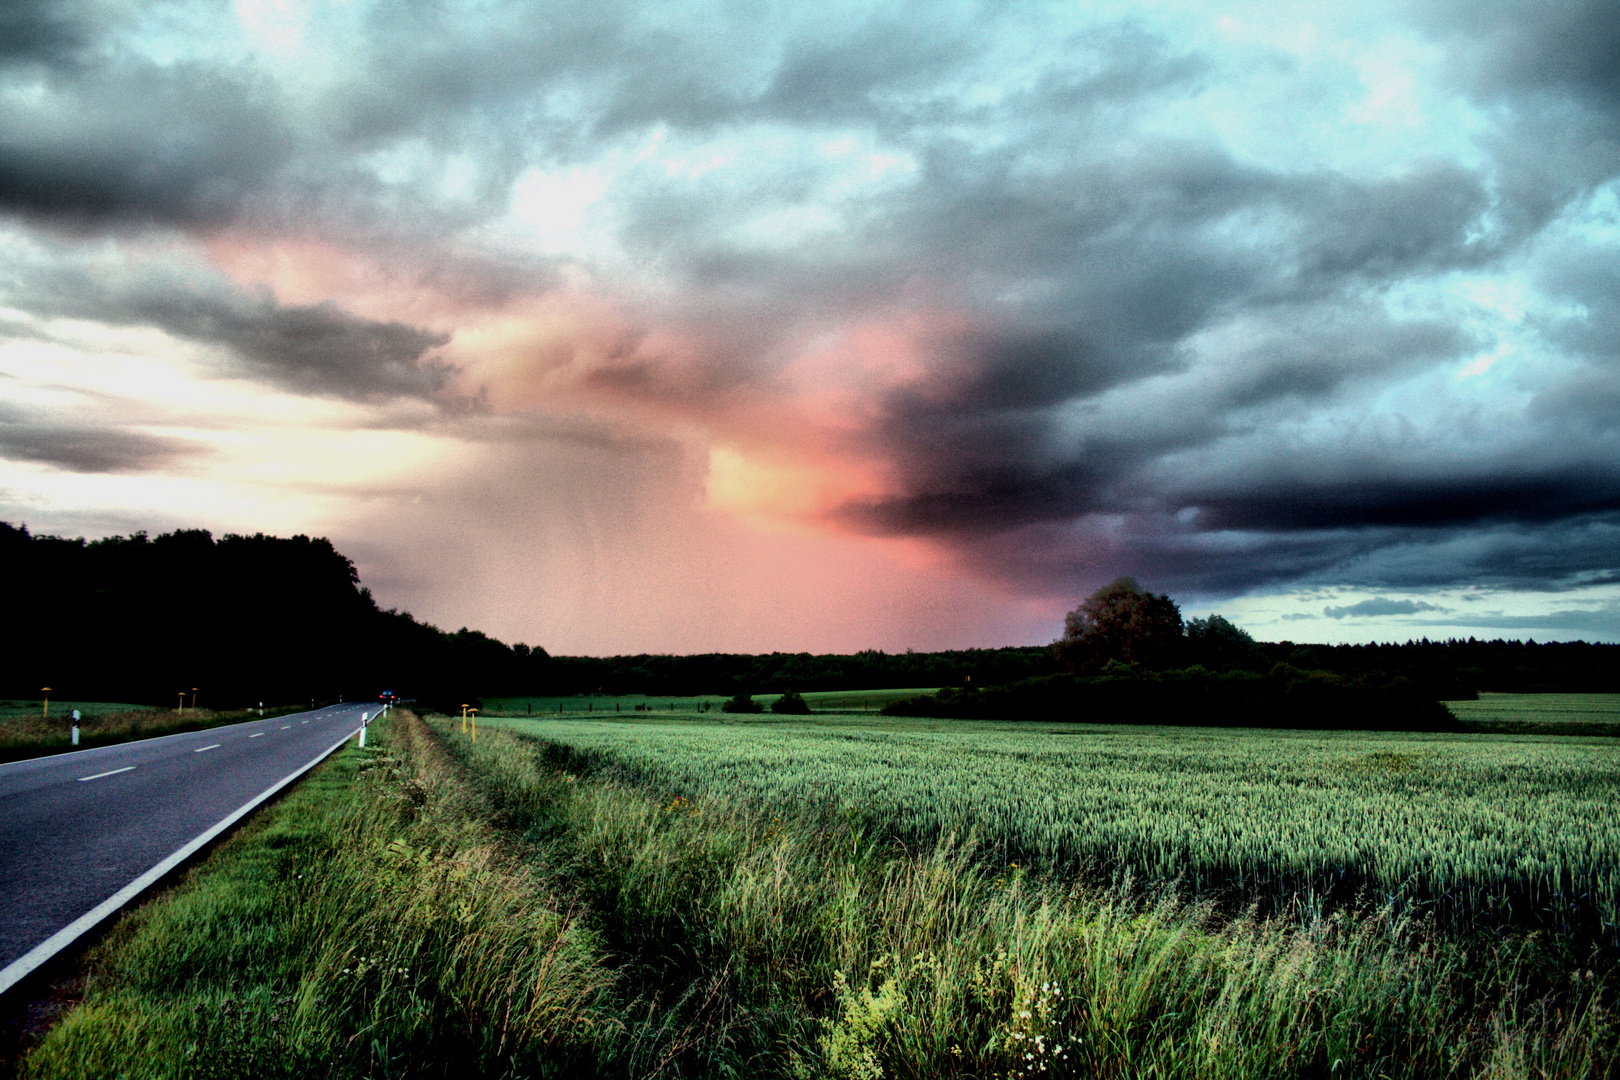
181,708
464,719
46,714
473,714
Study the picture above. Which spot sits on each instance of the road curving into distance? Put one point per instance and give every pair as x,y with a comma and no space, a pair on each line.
83,833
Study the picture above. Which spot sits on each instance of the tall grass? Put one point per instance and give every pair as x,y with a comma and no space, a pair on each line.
368,925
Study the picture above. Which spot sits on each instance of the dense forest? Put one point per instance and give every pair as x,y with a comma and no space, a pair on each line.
243,619
250,618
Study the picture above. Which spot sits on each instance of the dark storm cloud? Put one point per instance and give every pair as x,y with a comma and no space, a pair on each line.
315,349
134,141
1420,221
42,30
1549,71
318,350
1587,402
88,449
1136,260
1557,47
1550,557
1544,495
110,136
984,452
1128,260
1073,558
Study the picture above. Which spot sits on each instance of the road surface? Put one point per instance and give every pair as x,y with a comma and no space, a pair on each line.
80,830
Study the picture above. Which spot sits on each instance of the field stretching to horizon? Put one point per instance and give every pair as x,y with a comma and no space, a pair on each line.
1504,828
694,894
1541,714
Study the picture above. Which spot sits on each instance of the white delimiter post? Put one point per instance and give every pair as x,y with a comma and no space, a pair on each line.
75,727
364,717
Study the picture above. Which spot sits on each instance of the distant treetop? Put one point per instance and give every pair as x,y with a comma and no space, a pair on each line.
1120,621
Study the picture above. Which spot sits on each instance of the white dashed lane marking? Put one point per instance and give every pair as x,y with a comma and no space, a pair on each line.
200,749
99,775
256,735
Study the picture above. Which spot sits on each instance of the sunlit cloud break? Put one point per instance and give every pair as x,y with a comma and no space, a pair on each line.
672,327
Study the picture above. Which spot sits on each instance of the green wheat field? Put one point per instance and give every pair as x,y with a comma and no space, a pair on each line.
678,892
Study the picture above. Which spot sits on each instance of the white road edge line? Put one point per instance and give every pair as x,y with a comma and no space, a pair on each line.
214,746
18,969
99,775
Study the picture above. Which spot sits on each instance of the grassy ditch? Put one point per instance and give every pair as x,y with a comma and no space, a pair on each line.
369,924
25,733
435,906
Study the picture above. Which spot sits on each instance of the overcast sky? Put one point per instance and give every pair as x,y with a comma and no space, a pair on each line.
615,327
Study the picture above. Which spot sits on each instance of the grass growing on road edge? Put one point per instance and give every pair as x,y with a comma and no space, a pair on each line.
368,924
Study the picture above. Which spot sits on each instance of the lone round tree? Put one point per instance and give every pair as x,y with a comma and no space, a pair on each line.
1120,621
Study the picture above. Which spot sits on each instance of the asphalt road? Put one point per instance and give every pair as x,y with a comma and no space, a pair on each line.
76,829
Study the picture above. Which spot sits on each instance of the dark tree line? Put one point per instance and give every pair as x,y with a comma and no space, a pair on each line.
1453,669
242,618
285,620
1470,665
1129,658
741,673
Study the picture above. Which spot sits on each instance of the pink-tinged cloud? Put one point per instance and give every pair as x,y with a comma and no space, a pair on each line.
702,513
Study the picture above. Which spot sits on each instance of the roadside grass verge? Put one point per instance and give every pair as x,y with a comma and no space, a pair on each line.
368,924
25,708
24,733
